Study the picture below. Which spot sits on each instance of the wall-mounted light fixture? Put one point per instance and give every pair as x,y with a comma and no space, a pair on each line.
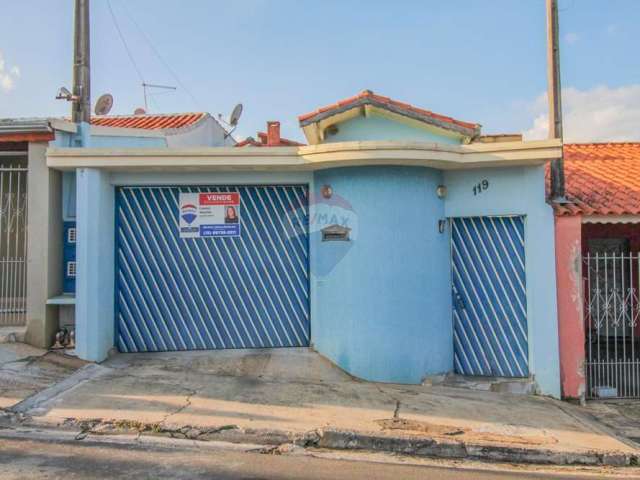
441,191
326,191
65,94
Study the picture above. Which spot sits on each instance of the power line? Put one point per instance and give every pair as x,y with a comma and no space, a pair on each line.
573,3
124,42
161,58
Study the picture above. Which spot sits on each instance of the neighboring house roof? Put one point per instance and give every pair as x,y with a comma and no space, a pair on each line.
270,138
262,142
30,127
179,129
149,121
601,179
367,97
25,130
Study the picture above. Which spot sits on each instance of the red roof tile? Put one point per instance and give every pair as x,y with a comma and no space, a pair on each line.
602,179
368,97
148,121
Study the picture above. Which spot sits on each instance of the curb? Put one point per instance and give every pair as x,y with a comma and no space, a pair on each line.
335,439
430,447
88,372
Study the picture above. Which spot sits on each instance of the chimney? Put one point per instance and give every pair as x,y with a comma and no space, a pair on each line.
273,134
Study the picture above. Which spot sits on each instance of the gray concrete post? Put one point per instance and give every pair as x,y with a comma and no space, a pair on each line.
44,247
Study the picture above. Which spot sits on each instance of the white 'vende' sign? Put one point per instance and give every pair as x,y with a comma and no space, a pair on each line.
209,214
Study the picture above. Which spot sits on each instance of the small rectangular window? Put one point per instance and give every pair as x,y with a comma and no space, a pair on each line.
71,269
71,235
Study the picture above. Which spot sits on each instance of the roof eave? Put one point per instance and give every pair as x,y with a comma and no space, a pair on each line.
414,115
31,130
13,126
310,157
612,218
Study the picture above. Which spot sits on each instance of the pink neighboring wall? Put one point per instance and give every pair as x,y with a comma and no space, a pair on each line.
570,305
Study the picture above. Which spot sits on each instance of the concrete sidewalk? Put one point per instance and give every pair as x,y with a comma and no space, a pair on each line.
26,370
280,396
622,416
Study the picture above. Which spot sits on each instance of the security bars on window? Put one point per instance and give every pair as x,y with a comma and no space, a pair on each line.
612,349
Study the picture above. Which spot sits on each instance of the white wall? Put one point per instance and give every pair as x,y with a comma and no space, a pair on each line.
207,132
44,247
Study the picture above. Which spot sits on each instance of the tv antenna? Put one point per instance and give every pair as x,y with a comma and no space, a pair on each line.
153,85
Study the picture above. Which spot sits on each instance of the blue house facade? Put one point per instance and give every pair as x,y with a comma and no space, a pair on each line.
45,299
399,244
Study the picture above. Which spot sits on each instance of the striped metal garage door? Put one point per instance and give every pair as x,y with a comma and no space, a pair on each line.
248,291
489,296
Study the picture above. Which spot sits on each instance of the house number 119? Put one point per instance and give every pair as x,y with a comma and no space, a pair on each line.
480,187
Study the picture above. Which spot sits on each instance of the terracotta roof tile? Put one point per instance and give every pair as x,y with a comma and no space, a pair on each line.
601,179
368,97
149,121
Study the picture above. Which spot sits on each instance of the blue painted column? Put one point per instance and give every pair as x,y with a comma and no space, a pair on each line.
382,308
95,264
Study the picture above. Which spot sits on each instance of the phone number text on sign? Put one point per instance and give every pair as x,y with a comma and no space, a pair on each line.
209,214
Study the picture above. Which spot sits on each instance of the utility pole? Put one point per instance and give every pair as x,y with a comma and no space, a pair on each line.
555,98
81,107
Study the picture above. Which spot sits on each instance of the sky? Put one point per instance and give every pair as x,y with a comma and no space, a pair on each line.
475,60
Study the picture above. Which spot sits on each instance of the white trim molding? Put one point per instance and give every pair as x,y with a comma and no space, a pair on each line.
308,157
611,219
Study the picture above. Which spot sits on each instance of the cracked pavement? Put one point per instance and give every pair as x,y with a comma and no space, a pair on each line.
283,396
26,370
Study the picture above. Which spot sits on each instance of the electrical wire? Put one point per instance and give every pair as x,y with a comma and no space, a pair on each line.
573,3
172,72
124,42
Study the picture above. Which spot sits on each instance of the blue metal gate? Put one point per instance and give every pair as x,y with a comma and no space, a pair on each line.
249,291
489,296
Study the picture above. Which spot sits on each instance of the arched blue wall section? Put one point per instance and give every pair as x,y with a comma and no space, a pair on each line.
382,307
375,127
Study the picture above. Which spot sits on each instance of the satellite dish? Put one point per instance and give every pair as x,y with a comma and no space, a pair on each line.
235,115
104,104
139,111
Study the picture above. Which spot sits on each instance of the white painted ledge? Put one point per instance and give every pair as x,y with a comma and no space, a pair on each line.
309,157
62,300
